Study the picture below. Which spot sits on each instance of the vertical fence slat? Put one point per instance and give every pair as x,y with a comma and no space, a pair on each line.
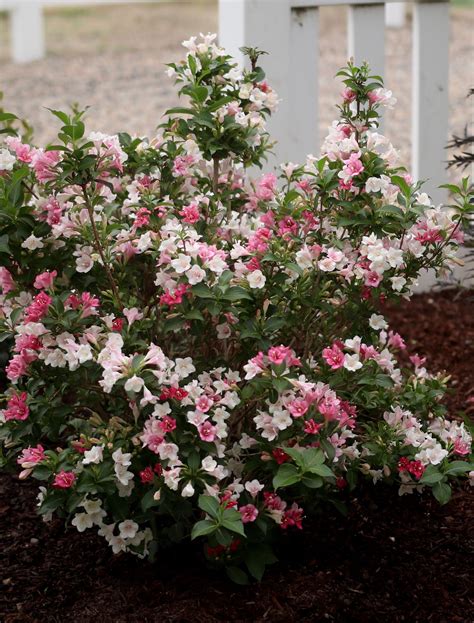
430,93
395,14
304,84
27,31
366,35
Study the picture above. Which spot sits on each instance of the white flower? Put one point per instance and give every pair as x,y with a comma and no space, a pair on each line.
195,274
223,331
94,455
256,279
217,265
352,362
253,487
82,521
32,243
128,529
7,160
181,264
84,263
377,322
122,458
134,384
83,353
327,265
188,491
398,283
209,464
184,367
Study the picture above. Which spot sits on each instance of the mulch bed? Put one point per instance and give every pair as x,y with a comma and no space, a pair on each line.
391,560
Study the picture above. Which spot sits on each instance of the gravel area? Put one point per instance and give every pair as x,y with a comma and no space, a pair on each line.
111,58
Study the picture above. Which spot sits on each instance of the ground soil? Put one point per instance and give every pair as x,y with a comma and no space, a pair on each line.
391,560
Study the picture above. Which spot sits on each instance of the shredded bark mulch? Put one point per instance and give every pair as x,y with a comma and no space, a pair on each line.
391,560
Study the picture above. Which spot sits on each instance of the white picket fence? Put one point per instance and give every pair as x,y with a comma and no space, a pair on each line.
289,31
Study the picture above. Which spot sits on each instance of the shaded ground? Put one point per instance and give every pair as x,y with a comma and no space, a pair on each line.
392,560
112,59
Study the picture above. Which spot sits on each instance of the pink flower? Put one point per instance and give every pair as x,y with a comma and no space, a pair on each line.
44,281
23,152
292,517
334,357
190,213
44,163
38,308
17,408
348,95
31,456
167,424
266,187
311,427
372,279
203,404
461,447
147,475
396,341
207,432
16,368
64,480
6,280
417,361
249,513
297,408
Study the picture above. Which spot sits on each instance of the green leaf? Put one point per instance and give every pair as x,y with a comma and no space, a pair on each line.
237,575
286,475
431,475
312,481
322,470
236,293
202,528
209,505
202,291
234,526
148,500
442,492
459,467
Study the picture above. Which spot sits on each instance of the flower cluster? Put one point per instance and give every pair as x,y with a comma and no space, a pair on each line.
196,352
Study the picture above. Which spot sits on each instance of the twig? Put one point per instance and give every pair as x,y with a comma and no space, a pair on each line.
99,249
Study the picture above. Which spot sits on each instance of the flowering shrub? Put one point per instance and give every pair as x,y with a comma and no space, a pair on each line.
199,354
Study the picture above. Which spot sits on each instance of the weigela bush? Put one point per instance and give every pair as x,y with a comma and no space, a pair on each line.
198,352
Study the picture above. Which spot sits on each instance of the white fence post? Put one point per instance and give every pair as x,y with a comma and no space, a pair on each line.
395,14
366,35
430,93
290,38
27,31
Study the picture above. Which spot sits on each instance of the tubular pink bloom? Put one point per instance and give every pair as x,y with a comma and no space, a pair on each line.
44,163
31,456
207,432
311,427
45,280
298,408
17,408
6,280
23,152
64,480
16,368
249,513
292,517
372,279
334,357
38,308
190,213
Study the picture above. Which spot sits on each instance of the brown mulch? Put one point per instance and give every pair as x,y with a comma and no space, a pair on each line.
391,560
